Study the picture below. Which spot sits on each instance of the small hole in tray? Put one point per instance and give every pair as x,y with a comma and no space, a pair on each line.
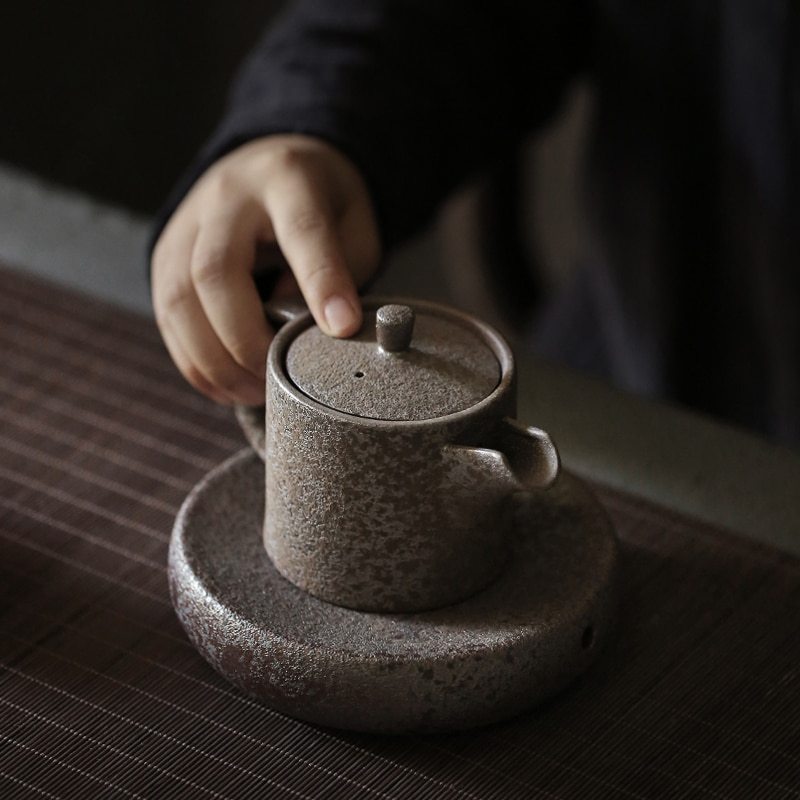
588,637
359,374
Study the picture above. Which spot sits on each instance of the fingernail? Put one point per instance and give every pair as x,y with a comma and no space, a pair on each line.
339,316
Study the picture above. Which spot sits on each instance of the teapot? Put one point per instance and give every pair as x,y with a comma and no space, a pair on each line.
390,456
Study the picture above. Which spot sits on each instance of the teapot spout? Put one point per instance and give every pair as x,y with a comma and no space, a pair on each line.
523,459
530,451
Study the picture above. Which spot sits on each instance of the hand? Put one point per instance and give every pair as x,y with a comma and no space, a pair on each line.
294,191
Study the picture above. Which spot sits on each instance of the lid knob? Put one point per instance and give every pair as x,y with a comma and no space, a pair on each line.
394,325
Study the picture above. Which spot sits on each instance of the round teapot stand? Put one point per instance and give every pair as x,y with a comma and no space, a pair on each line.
494,655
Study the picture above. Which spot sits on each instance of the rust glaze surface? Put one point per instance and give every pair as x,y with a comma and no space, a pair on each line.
446,367
395,515
494,655
373,514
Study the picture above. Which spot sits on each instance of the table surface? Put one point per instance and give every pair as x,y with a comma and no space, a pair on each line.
102,695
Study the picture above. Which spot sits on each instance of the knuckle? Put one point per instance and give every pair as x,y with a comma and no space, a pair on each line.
288,157
277,159
218,186
209,265
307,221
171,297
320,274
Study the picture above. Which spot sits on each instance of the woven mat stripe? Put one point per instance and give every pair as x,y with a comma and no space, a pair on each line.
229,694
86,449
698,698
126,362
41,458
118,339
54,371
181,702
43,399
149,766
136,724
73,505
15,784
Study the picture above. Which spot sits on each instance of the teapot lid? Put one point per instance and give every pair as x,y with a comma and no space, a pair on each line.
402,365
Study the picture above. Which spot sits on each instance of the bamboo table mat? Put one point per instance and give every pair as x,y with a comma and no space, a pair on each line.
101,695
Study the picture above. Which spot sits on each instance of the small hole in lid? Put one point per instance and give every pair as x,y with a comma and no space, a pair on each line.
587,640
359,374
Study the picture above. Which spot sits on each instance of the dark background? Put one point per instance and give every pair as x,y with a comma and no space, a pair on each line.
114,98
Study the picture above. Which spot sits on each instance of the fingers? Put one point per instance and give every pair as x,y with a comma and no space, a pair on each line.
305,228
293,190
192,342
221,270
205,351
192,375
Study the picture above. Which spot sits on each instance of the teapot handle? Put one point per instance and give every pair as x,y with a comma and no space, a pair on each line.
251,418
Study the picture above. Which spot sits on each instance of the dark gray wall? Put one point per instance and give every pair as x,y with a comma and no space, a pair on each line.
115,97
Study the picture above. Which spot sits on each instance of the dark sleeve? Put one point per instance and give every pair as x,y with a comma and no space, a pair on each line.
418,93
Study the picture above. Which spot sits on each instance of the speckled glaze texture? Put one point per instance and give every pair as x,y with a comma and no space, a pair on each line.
497,654
394,516
448,367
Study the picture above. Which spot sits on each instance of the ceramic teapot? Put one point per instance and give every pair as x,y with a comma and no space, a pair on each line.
391,456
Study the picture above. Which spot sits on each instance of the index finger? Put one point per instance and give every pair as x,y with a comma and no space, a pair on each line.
305,228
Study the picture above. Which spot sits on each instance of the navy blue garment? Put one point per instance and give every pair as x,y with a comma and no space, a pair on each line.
691,290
